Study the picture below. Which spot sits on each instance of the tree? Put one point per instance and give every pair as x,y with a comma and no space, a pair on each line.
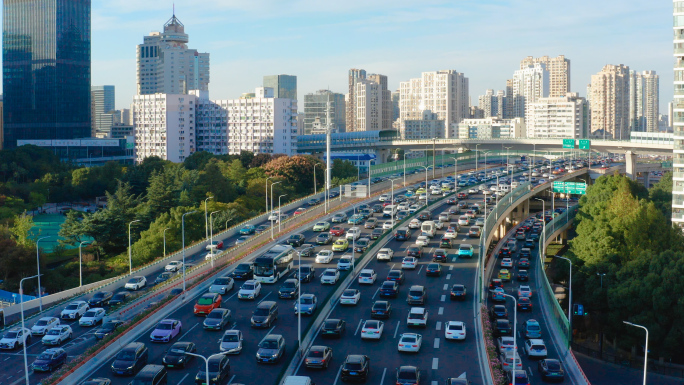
21,230
16,261
343,169
197,160
246,158
72,230
661,194
260,160
296,170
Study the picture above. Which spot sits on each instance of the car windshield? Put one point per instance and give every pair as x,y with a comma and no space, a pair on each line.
406,375
242,267
214,366
126,355
415,293
388,285
109,326
72,307
165,326
248,286
415,315
261,312
379,306
45,356
41,323
294,236
221,281
123,295
98,295
345,260
349,293
306,300
464,247
532,327
288,285
90,314
371,325
133,280
54,332
231,338
409,339
365,275
305,269
329,273
12,335
269,344
352,366
330,324
553,365
205,301
316,353
215,314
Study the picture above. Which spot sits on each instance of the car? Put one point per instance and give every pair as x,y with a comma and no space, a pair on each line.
463,220
535,347
480,222
498,312
330,276
525,253
340,245
353,234
524,291
455,330
389,289
367,277
289,289
520,235
136,283
355,219
300,210
381,309
319,356
414,223
433,269
505,344
522,276
387,225
345,263
243,271
98,381
271,349
350,297
175,356
43,325
321,226
474,231
337,231
219,370
361,245
339,218
498,294
465,250
410,343
440,255
49,360
377,233
523,263
502,327
372,329
355,368
214,245
173,266
296,240
231,342
422,240
409,263
100,299
495,282
217,319
261,228
130,359
163,277
207,302
532,329
92,317
306,304
551,369
507,262
396,275
166,330
504,275
507,362
107,328
333,327
323,238
414,251
324,256
74,310
313,202
250,290
222,285
530,243
417,316
15,337
524,303
371,223
308,273
57,335
458,291
521,378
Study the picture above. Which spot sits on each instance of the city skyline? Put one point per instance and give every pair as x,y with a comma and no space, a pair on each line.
483,40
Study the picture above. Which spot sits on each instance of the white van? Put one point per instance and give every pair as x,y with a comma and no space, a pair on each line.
515,185
298,380
389,211
429,228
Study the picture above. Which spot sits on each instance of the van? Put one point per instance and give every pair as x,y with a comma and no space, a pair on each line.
515,185
389,211
265,314
298,380
151,375
428,228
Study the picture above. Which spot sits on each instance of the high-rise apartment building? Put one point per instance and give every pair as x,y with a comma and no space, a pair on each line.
678,116
395,106
428,127
559,73
46,70
384,101
557,117
355,75
609,101
167,66
528,85
102,110
493,105
316,106
491,128
444,93
284,86
373,104
644,91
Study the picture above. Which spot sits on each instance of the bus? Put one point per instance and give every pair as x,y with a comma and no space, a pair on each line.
274,264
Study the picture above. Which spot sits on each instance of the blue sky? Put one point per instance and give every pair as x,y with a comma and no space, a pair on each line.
320,40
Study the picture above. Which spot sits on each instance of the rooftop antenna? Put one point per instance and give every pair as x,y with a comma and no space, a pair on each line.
174,9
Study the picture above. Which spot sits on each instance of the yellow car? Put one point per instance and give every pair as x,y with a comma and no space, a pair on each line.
420,191
340,245
504,275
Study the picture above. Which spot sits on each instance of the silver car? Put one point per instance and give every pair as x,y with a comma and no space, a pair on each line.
231,342
222,285
306,304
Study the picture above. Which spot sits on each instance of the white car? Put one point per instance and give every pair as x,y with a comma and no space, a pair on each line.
43,325
422,240
92,317
507,262
535,348
15,337
410,343
57,335
385,254
444,217
384,198
345,262
409,263
274,216
387,225
455,330
414,224
74,310
136,283
451,234
250,290
353,234
418,316
350,297
324,256
463,220
330,276
173,266
367,277
413,208
505,344
222,285
524,291
372,329
210,255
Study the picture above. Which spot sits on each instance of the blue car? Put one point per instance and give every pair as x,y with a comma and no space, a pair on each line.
356,219
465,250
49,360
248,230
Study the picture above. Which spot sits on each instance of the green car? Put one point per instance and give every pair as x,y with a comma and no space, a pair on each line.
356,219
321,226
340,245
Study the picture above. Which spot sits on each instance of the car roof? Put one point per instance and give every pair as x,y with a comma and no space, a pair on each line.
536,341
355,358
417,310
308,295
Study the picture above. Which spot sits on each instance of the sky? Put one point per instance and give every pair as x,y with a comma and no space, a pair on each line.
319,41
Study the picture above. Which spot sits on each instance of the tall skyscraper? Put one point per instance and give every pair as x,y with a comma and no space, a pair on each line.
284,86
167,66
373,104
527,86
354,76
644,91
678,117
609,101
102,107
385,101
315,111
46,69
559,73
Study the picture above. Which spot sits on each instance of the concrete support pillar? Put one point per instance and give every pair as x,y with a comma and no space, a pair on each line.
647,178
382,155
631,163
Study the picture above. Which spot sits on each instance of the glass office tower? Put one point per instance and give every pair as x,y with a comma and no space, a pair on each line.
284,86
46,69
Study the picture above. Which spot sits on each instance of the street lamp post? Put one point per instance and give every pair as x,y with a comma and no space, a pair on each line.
80,263
279,221
211,232
164,233
206,360
570,299
23,328
369,176
601,275
40,294
299,297
515,331
404,168
273,184
183,238
206,220
476,156
130,256
543,254
455,172
645,348
392,208
266,193
426,183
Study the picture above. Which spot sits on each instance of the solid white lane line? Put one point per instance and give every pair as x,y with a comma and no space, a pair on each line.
269,332
442,298
338,375
185,376
440,311
229,381
358,327
446,286
376,292
382,380
438,326
186,333
421,269
448,277
396,329
269,293
451,267
436,344
435,363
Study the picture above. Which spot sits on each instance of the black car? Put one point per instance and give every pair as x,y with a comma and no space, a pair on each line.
355,368
458,292
313,202
551,370
319,357
130,359
377,208
361,245
530,244
100,299
271,349
289,289
261,228
452,201
120,298
381,309
520,377
323,239
414,251
502,327
433,269
219,368
296,240
440,255
333,327
107,328
505,252
495,282
447,243
307,250
49,360
408,375
217,319
163,277
524,303
389,289
308,273
175,356
525,252
523,276
425,215
396,276
498,312
243,271
377,233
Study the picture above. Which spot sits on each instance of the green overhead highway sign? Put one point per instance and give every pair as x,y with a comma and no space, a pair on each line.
584,144
568,143
570,187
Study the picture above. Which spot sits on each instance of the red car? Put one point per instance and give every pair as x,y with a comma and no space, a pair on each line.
337,231
462,195
215,245
206,303
299,211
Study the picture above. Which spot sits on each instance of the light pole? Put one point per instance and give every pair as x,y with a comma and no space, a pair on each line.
266,193
40,296
80,263
211,233
515,331
392,207
23,328
543,254
369,176
426,183
164,233
455,172
206,360
476,156
299,298
570,299
228,220
279,219
273,184
130,257
404,168
645,348
206,221
601,275
183,237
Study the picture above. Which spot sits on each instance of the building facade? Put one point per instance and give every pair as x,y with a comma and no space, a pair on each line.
46,70
644,91
557,117
373,104
428,127
284,86
316,106
493,105
491,128
102,110
609,101
354,76
559,73
528,85
166,65
678,116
